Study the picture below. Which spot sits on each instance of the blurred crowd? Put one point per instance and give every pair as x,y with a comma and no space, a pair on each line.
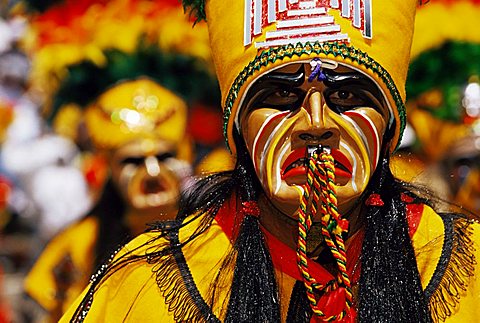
108,109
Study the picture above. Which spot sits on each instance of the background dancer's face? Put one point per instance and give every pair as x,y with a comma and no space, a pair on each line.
284,112
139,126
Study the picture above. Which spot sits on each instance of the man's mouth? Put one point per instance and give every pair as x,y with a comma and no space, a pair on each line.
296,164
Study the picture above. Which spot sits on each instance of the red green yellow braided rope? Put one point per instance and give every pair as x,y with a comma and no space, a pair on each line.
321,189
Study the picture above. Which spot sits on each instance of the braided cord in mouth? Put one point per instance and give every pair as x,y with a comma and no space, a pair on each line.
320,190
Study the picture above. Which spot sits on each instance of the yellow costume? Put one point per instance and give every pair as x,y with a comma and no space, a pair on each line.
73,249
167,289
228,256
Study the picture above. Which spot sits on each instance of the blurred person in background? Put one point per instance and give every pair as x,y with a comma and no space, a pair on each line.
443,104
120,78
28,151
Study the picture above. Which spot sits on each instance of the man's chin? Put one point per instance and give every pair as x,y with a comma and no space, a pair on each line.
288,201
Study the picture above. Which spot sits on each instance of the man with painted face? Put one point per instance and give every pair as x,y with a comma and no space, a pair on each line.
138,127
311,225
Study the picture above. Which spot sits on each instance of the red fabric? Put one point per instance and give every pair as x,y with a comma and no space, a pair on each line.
205,125
284,258
251,208
374,200
414,213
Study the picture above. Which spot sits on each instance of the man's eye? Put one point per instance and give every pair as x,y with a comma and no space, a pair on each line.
345,98
282,97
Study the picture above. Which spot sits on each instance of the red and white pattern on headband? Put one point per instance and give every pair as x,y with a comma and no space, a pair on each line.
303,20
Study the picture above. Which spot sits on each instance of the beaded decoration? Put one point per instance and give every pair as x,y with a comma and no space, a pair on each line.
321,190
317,73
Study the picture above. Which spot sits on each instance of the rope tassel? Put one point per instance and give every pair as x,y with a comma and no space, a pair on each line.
336,298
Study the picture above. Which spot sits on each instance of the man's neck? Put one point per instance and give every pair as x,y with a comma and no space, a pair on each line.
285,228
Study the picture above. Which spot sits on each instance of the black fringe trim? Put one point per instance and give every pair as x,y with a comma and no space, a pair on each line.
299,310
454,269
82,310
176,283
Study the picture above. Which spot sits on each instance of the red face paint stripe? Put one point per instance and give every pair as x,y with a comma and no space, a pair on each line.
372,129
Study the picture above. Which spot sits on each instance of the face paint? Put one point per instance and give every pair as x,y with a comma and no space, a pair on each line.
369,133
339,108
150,178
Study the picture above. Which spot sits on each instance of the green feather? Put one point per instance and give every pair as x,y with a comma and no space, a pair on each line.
185,75
196,8
447,69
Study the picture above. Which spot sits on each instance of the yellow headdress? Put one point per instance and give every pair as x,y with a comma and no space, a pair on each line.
445,20
71,32
138,109
251,37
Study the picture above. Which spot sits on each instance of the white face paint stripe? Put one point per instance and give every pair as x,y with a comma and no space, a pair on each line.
300,190
277,165
354,165
267,122
247,35
261,167
273,142
257,16
376,137
359,131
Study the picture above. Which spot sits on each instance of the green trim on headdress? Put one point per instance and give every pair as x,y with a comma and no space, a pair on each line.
446,69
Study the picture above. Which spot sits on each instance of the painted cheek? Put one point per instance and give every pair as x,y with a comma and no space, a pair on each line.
269,145
355,137
256,124
371,130
264,135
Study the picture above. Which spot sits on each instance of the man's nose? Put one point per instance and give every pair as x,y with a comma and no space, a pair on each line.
320,128
152,166
313,104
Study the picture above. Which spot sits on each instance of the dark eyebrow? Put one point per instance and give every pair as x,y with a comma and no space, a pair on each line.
335,80
296,78
271,80
338,79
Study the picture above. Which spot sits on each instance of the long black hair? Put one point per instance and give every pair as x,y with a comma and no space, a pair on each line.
389,287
